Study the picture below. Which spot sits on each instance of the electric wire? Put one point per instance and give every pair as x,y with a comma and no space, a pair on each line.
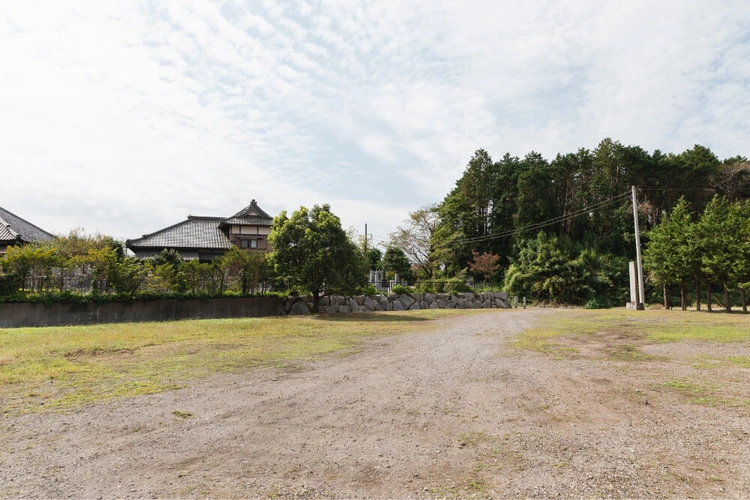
582,211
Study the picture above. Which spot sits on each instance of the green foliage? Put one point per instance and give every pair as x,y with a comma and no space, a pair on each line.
35,260
395,261
400,289
552,270
367,290
450,286
245,271
716,248
456,285
374,259
312,252
671,255
10,284
170,257
581,199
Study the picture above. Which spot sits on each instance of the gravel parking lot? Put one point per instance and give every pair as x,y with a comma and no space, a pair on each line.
454,412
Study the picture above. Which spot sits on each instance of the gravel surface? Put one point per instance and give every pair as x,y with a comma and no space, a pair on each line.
454,412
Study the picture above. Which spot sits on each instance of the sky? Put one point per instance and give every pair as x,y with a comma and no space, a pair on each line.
123,117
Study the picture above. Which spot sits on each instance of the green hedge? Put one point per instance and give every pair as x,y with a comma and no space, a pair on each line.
67,297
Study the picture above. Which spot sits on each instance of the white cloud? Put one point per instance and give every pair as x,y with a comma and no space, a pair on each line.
124,117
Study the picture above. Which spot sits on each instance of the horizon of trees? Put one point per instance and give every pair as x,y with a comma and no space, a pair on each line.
580,202
558,231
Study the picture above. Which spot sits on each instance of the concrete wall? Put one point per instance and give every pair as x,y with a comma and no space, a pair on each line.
20,315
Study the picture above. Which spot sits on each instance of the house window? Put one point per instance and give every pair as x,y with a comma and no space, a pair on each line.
248,243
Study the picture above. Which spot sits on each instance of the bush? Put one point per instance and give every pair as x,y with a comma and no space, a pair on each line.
400,289
367,290
10,284
454,286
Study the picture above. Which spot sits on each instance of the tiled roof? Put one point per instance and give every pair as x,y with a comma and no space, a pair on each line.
6,233
12,227
195,232
251,215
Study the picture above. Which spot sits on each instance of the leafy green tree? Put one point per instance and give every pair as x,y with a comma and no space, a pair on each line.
552,269
192,276
741,253
716,245
245,272
671,253
534,203
313,253
35,261
395,261
544,271
168,256
374,259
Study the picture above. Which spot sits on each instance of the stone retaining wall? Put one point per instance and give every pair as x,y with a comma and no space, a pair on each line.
395,302
21,315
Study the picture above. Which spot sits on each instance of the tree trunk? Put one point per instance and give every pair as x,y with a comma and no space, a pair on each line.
727,300
683,295
744,301
666,296
697,293
316,300
708,296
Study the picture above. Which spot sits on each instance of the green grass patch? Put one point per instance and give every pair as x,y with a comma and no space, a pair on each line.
708,363
65,367
701,394
540,340
631,328
687,387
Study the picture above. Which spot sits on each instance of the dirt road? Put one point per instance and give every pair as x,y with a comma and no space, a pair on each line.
452,412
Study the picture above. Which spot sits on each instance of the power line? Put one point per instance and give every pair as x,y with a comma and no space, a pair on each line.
602,204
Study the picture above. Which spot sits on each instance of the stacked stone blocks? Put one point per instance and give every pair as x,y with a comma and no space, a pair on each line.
397,302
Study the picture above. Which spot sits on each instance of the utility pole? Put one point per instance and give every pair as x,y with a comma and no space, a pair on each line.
641,295
365,241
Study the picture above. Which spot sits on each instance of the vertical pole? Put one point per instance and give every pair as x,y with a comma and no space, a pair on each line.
641,289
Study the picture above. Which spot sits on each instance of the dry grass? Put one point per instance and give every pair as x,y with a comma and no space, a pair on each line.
64,367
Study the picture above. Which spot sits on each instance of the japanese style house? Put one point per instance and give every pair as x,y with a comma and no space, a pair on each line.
15,231
205,238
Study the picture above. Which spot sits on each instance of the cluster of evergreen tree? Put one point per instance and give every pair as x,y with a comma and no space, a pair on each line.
713,249
564,228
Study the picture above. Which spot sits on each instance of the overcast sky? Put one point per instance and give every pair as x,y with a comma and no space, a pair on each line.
124,117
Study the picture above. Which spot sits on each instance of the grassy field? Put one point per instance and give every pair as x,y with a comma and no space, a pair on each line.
639,326
43,369
59,368
705,374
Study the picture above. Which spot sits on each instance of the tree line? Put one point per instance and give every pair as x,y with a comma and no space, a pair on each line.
713,248
563,229
558,231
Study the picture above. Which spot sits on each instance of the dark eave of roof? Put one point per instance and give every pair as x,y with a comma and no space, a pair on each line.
15,228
